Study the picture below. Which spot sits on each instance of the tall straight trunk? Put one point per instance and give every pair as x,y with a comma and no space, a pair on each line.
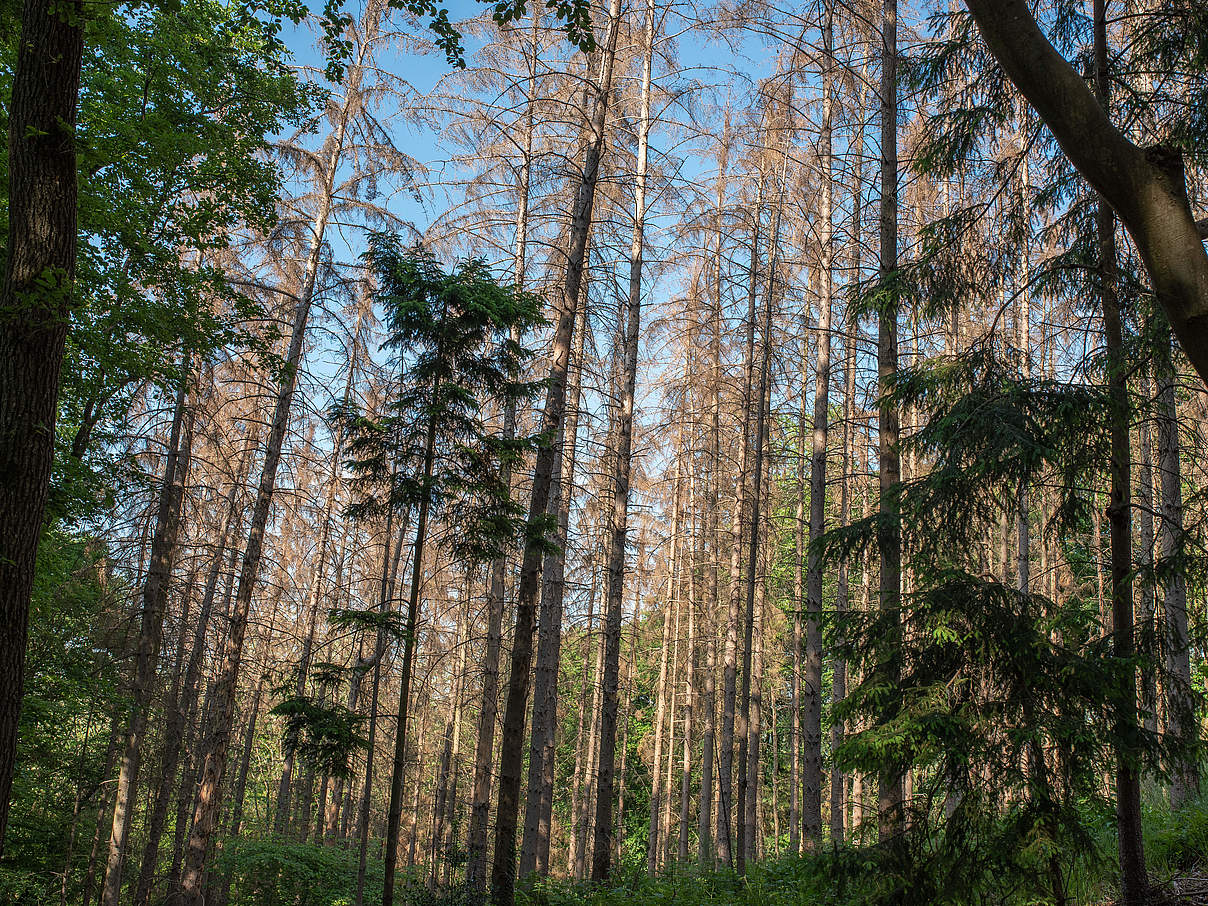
182,701
1147,589
668,773
1180,701
748,786
36,296
581,730
799,530
618,525
511,761
385,593
839,781
442,806
690,690
812,768
89,886
1023,568
627,710
1134,883
748,780
725,768
593,748
889,540
196,722
410,643
209,795
151,631
484,749
660,707
538,813
713,532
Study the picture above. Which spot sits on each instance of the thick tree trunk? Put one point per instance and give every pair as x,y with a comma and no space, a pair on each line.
725,769
538,813
36,295
503,868
1145,187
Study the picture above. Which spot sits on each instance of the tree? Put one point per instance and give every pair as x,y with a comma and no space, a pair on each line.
453,338
1144,186
36,297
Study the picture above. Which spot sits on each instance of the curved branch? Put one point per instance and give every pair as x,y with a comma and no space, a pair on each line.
1145,186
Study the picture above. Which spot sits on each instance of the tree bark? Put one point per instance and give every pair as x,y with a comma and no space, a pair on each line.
151,632
503,867
812,768
1145,187
36,296
889,533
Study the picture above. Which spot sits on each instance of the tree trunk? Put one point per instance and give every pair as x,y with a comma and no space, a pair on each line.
36,296
503,868
538,812
725,783
1133,881
1180,700
151,632
812,769
889,540
660,707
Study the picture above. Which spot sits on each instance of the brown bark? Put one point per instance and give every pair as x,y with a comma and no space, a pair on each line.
36,296
1144,186
889,533
503,867
151,631
812,767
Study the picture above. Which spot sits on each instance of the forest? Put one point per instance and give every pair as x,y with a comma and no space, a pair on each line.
604,451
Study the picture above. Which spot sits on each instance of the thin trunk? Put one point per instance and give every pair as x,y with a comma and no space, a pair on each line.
889,541
660,707
151,632
386,591
1134,884
812,768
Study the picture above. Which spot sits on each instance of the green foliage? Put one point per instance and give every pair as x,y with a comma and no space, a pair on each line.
178,104
324,736
455,340
71,691
275,870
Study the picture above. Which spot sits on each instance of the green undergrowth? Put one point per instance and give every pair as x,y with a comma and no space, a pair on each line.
1176,846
